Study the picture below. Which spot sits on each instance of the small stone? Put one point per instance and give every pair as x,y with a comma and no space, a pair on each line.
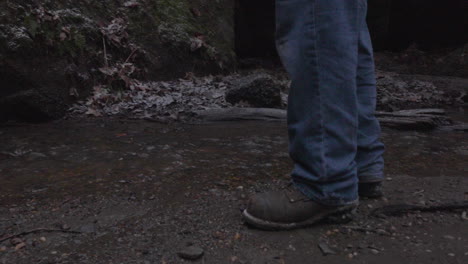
43,239
291,247
463,216
89,228
382,232
53,252
449,237
389,179
374,251
428,250
325,248
451,255
191,253
3,249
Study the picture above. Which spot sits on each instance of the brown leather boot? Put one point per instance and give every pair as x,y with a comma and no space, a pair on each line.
290,209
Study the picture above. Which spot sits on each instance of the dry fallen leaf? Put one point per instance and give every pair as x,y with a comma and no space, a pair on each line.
20,246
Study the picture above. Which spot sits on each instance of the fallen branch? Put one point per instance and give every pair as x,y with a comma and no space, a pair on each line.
236,114
400,209
415,119
38,230
368,230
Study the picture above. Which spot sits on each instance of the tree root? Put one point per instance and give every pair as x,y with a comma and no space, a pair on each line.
38,230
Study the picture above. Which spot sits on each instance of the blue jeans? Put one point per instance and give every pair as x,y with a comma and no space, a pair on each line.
333,134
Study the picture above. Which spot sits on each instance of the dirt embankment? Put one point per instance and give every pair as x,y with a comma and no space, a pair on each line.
52,52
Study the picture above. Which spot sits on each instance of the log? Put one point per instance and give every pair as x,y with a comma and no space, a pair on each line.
415,119
236,114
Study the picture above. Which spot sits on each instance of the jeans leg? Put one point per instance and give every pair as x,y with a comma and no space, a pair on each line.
318,43
370,149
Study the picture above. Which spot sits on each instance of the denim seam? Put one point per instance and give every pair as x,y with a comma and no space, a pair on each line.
319,87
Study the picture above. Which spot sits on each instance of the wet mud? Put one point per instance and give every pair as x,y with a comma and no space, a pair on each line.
139,192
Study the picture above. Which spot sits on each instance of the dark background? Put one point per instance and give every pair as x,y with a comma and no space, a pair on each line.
394,25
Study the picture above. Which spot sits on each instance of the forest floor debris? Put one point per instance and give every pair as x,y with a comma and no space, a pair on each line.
178,100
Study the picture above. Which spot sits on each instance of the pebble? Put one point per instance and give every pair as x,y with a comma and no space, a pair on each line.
449,237
88,228
3,248
191,253
43,239
451,255
326,250
463,216
374,251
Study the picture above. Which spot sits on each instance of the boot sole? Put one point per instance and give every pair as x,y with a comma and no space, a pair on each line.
341,215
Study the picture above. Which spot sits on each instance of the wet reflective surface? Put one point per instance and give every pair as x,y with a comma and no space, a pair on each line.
138,190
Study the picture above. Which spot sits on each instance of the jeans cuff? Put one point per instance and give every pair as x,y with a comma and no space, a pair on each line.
326,201
371,177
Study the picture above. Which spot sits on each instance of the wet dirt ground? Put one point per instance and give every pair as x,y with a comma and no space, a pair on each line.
138,192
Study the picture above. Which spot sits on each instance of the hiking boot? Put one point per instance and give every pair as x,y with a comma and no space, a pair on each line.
371,189
290,209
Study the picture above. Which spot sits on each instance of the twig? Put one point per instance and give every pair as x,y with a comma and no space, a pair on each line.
369,230
105,51
38,230
131,54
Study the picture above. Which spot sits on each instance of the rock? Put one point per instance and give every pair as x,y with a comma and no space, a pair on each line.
325,248
30,105
191,253
463,216
88,228
258,90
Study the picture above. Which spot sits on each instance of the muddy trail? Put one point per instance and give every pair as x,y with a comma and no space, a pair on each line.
131,191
